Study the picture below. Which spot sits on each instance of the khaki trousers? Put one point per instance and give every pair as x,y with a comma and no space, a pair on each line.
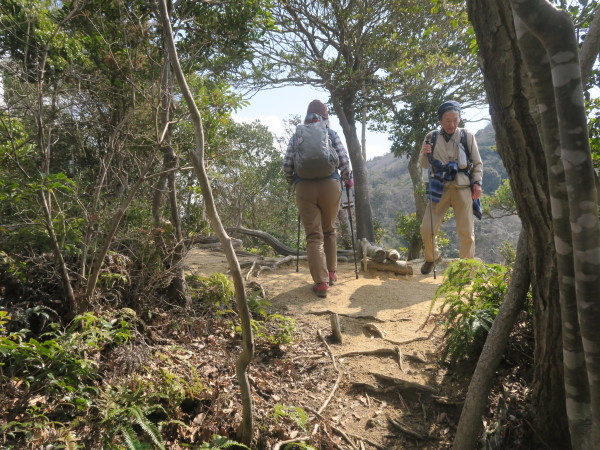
460,199
318,204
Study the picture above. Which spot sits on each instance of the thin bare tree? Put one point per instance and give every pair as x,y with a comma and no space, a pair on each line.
197,156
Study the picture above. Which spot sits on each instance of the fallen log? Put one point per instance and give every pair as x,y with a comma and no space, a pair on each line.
399,267
278,246
392,255
236,243
377,254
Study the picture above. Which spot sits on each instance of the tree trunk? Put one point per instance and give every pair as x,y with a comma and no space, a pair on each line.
364,215
548,41
110,234
518,142
470,423
414,170
247,353
174,252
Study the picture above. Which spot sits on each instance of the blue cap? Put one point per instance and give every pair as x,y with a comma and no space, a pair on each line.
448,106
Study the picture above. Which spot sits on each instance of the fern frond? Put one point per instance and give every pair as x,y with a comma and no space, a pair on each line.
150,429
218,442
130,437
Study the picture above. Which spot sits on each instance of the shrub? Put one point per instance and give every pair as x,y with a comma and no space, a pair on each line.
472,292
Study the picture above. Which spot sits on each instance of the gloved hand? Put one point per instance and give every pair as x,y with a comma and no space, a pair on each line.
349,183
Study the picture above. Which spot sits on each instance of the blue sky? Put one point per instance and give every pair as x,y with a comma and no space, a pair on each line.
272,106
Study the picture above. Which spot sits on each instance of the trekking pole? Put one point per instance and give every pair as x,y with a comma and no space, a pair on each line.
298,245
431,209
351,230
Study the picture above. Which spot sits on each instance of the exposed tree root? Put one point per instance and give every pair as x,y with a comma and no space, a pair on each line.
393,352
405,385
397,425
328,312
340,373
373,330
347,435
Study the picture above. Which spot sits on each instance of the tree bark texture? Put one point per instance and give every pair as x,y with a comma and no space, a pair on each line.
399,267
574,205
73,303
515,121
470,423
364,214
277,245
247,425
174,252
414,170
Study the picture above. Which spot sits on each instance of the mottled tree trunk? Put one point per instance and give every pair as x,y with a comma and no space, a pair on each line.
515,121
548,41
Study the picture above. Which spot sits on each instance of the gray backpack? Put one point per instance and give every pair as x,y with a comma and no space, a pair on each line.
314,156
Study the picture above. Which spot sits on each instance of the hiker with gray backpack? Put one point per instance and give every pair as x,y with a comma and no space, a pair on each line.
455,171
314,163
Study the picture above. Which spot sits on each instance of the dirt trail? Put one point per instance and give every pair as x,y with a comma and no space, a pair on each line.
398,305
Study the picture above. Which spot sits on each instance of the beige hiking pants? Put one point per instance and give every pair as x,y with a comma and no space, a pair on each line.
460,199
318,204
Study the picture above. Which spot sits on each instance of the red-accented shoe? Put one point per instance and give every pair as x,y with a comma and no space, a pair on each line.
320,289
332,278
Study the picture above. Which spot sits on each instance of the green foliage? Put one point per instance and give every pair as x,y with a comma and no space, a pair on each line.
219,442
471,295
32,31
60,365
58,362
216,290
508,252
593,107
274,329
379,230
408,227
20,204
294,414
122,408
299,446
501,203
257,304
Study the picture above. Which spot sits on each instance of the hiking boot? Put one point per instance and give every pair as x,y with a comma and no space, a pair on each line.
320,289
332,278
428,265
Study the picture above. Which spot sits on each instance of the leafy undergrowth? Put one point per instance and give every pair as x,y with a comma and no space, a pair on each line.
164,377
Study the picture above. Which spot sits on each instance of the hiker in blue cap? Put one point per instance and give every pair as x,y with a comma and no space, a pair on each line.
455,171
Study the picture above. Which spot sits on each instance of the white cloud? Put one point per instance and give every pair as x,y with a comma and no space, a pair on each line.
273,123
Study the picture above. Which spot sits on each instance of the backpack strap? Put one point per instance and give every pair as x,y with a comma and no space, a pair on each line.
463,141
432,139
